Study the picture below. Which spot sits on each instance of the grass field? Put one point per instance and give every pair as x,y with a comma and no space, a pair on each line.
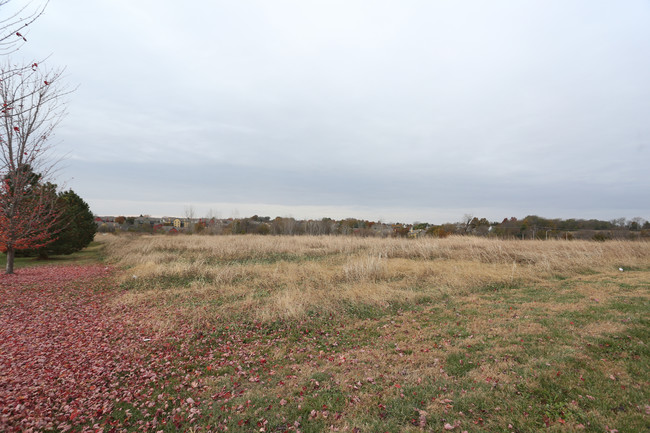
91,254
319,334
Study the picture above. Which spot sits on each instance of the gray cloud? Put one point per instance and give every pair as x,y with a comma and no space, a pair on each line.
429,109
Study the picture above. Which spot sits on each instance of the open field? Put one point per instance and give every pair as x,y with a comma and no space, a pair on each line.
263,279
319,334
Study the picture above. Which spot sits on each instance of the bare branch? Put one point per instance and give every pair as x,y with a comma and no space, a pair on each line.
13,31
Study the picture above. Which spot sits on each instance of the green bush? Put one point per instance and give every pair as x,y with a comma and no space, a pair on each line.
76,227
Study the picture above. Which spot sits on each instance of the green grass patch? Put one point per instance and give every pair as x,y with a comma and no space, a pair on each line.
89,255
459,364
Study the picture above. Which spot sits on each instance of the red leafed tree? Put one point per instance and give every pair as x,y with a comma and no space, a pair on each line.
32,106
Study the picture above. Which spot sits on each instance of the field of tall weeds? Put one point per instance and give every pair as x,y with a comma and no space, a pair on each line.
262,278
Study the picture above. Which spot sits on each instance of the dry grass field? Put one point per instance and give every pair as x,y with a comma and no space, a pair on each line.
257,278
373,335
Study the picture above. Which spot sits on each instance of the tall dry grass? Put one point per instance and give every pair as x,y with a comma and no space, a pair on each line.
257,278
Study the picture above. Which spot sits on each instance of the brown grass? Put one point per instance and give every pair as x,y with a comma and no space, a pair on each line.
487,333
267,278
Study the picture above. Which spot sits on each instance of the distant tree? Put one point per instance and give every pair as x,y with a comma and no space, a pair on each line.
636,223
464,226
199,227
522,229
76,226
120,220
618,222
284,226
481,226
437,231
400,230
190,214
263,229
570,224
312,227
594,224
290,226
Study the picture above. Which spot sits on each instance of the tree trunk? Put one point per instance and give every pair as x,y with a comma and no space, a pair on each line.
11,254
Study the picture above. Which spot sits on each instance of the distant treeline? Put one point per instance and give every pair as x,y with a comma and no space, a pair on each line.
530,227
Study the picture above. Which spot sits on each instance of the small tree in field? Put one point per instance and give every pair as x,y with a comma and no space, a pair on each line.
31,108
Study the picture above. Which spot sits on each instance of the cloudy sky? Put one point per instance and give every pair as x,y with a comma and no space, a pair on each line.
395,110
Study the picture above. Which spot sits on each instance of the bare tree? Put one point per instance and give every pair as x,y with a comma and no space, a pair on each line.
213,221
290,226
619,222
32,106
465,224
14,23
636,223
190,213
13,30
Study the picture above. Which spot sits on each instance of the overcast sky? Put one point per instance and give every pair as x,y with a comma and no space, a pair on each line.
395,110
